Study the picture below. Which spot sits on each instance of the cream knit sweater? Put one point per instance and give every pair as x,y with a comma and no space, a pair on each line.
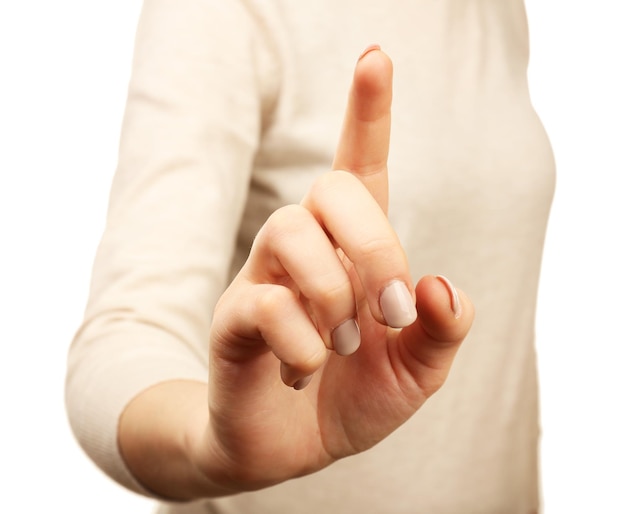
233,108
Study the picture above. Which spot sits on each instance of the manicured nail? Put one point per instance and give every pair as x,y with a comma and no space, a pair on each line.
455,303
346,338
302,383
397,305
369,49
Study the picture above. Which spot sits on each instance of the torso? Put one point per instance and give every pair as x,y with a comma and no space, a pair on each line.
472,177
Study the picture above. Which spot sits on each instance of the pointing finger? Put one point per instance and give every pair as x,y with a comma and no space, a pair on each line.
364,144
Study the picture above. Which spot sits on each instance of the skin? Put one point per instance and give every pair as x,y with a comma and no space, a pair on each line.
273,328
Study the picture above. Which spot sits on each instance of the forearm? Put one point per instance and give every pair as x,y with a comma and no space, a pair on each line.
160,435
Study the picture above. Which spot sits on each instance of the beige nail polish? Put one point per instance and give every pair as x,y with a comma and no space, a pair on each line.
346,338
455,303
397,305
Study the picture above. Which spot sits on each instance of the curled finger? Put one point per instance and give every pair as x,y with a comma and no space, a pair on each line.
292,248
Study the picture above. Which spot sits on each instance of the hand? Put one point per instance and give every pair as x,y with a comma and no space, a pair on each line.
325,303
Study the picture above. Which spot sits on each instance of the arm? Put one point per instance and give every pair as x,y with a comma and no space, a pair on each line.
165,254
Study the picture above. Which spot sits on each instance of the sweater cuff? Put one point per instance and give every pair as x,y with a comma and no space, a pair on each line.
106,372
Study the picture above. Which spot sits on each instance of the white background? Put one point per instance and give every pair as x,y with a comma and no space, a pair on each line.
64,68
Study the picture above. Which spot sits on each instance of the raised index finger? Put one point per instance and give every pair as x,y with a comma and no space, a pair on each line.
364,143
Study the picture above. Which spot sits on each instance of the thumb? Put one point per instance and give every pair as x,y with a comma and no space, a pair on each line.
427,347
364,143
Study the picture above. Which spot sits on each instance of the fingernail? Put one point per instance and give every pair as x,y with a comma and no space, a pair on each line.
368,49
397,305
455,303
346,338
302,383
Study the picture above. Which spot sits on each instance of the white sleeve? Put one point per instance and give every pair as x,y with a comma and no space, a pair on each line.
190,133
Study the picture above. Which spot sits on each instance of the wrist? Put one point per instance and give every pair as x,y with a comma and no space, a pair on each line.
163,440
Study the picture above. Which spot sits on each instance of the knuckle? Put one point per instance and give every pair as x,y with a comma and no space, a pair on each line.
305,362
323,182
382,249
310,363
287,214
287,220
272,304
330,182
336,291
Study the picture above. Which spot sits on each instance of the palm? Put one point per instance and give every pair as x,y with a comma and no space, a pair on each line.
352,404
